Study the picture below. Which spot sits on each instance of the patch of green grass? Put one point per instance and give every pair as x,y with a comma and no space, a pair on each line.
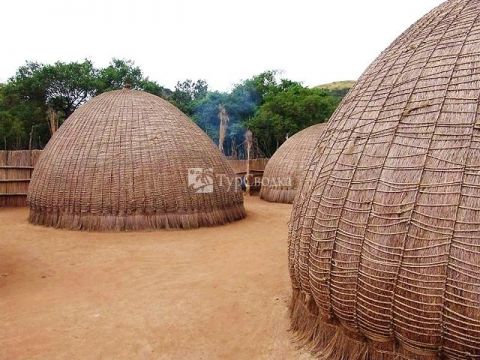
337,85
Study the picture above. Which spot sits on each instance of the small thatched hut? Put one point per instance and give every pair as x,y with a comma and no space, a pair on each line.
286,168
385,234
129,160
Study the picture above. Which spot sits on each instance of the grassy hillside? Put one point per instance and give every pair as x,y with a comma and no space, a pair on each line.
337,85
338,88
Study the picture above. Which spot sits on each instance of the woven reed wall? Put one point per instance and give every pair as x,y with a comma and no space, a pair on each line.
15,171
240,166
122,161
384,238
286,169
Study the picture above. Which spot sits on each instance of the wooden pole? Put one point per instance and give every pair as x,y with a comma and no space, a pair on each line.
224,119
249,140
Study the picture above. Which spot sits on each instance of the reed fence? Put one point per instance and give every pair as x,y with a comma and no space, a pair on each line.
16,169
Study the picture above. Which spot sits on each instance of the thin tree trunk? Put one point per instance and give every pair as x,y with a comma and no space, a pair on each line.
30,139
248,140
52,120
224,119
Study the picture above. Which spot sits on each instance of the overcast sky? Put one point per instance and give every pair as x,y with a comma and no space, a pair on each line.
222,41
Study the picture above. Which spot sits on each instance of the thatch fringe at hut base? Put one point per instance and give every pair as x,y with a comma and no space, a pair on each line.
329,340
135,222
278,195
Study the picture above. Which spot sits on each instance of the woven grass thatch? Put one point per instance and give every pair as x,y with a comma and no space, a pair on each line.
385,233
286,168
122,162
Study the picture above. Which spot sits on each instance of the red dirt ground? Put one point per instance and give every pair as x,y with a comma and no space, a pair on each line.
216,293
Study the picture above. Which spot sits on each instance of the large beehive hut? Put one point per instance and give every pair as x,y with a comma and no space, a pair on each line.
385,234
129,160
286,168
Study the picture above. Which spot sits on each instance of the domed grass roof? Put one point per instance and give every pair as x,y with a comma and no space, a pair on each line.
286,168
129,160
385,235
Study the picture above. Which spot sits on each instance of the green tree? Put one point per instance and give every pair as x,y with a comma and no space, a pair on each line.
11,130
269,106
37,89
241,104
61,86
287,111
206,113
117,74
121,72
188,93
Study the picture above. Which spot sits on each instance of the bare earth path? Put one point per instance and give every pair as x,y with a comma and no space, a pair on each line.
217,293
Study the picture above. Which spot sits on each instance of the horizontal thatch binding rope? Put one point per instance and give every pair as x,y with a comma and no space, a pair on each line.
286,169
384,237
123,161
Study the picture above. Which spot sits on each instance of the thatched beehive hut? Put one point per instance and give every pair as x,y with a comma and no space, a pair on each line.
129,160
286,168
385,233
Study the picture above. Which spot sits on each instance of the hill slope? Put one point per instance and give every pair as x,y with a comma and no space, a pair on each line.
337,85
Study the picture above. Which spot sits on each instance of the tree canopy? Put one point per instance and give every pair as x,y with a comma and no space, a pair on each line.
288,110
39,89
271,107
